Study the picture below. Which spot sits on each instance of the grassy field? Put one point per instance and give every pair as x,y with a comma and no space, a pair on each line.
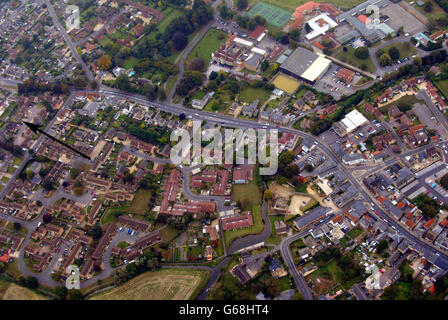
170,15
108,215
443,87
11,291
274,238
166,284
130,63
354,233
169,234
349,57
409,100
208,44
249,94
285,83
250,191
293,4
406,49
140,203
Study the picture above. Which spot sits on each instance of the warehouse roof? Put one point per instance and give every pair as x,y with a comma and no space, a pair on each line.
316,69
305,63
299,61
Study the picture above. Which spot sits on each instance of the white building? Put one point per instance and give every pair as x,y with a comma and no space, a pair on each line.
320,24
352,121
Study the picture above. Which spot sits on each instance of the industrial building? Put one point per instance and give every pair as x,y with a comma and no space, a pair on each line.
351,122
305,65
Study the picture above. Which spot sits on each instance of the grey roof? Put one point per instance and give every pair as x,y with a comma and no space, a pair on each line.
348,36
360,9
351,17
254,59
299,61
311,216
357,209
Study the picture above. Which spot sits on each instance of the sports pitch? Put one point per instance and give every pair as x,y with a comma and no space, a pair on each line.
285,83
273,15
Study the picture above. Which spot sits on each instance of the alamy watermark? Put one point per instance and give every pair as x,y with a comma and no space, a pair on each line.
373,21
190,150
73,280
72,21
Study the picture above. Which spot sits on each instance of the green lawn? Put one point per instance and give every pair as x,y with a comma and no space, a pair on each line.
443,87
274,238
17,161
208,44
249,94
220,102
122,244
170,15
406,49
349,57
408,100
109,216
249,191
169,234
354,233
130,63
140,203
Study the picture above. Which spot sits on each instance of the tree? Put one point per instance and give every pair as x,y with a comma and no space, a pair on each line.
96,232
428,6
31,282
17,226
394,53
295,35
75,294
242,4
74,172
120,276
264,65
268,195
60,292
197,64
180,41
104,62
48,185
385,60
308,167
361,53
272,286
224,12
78,188
213,75
383,245
327,43
93,84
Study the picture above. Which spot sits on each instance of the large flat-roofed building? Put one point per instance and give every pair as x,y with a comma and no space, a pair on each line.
305,65
351,122
320,25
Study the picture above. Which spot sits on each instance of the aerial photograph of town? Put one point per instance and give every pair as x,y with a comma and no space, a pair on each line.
224,150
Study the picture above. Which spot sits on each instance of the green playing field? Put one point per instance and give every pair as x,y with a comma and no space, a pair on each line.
273,15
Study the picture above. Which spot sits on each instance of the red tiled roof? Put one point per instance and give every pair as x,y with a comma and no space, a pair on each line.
363,18
257,32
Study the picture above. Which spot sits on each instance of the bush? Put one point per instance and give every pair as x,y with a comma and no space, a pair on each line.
394,53
362,53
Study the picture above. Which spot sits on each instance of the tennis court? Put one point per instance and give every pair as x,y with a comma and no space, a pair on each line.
273,15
